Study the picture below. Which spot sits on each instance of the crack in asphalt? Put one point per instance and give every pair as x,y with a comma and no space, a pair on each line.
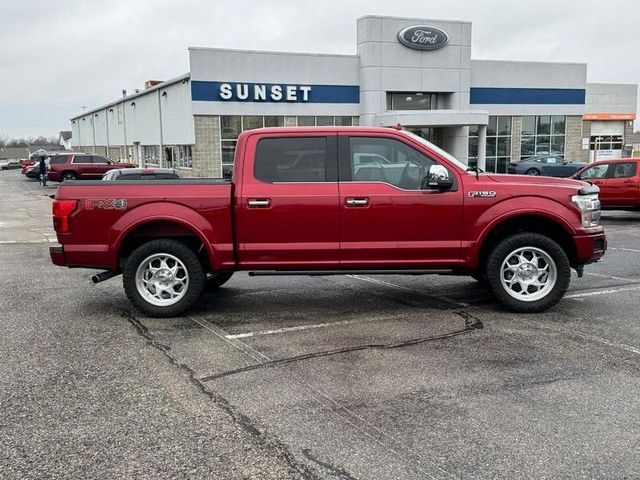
334,471
262,439
471,324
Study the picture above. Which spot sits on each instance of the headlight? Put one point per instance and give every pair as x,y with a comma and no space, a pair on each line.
589,207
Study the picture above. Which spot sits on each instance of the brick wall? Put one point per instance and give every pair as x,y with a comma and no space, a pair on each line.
573,139
627,139
586,133
207,155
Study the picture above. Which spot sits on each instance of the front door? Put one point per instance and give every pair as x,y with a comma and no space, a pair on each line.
387,220
287,214
597,175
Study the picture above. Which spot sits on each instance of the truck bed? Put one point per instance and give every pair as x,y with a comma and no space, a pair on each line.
107,213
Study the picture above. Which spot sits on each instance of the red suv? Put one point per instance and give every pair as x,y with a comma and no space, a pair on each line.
83,166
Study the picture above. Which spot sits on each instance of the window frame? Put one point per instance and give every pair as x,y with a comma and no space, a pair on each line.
345,163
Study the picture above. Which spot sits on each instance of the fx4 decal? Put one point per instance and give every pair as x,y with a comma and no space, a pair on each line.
105,204
482,194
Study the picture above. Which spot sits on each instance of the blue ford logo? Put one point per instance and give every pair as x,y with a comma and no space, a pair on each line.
422,37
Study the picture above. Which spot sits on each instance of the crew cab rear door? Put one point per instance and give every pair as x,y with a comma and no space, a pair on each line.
387,220
621,184
287,210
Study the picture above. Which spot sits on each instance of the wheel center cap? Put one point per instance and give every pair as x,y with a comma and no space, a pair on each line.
527,270
164,276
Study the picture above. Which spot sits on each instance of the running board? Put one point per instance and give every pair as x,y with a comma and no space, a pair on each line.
322,273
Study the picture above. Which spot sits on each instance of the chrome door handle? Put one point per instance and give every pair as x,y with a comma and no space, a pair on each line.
357,202
259,203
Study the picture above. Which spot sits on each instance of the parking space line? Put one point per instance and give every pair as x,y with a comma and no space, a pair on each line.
612,277
624,249
376,281
298,328
603,292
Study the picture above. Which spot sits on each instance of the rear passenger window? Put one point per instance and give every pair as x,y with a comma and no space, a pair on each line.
97,159
135,176
82,159
291,160
623,170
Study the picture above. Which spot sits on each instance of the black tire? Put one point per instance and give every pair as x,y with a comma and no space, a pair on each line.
68,176
192,265
481,278
218,279
533,172
539,242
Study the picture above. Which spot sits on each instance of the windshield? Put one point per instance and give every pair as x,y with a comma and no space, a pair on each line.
440,151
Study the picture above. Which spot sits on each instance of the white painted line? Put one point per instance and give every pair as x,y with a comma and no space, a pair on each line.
625,249
601,275
299,328
622,346
603,292
20,242
402,287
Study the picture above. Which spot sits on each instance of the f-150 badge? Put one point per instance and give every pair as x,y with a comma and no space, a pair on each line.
482,194
105,203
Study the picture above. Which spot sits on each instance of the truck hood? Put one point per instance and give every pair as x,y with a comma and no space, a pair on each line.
529,180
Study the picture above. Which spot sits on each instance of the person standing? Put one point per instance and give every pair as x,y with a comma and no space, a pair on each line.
43,171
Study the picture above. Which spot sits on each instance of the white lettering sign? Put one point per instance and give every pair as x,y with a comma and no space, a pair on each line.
262,92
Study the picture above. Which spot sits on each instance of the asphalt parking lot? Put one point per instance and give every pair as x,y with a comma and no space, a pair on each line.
355,377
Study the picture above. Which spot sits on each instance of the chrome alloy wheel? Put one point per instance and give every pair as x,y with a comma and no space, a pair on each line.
528,274
162,279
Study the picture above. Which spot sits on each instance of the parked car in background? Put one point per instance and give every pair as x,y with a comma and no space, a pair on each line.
618,180
33,171
547,165
142,174
80,166
25,164
9,164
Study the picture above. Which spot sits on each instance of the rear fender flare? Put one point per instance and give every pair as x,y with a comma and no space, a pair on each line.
171,212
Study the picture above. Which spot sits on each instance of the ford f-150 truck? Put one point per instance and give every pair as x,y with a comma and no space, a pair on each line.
323,201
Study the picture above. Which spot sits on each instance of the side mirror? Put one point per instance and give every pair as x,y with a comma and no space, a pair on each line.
438,178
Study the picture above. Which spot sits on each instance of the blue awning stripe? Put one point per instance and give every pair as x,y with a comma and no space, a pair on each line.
527,96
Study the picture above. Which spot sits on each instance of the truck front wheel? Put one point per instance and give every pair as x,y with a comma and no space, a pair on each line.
163,278
528,272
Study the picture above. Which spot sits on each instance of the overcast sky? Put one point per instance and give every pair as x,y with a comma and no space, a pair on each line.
57,55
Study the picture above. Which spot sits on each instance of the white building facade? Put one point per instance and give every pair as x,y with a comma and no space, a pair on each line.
414,72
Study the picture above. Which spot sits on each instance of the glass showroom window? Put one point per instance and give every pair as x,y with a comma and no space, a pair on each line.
179,156
151,154
542,135
326,121
498,144
411,101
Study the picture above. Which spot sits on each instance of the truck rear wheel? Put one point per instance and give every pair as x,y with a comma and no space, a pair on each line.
163,278
528,272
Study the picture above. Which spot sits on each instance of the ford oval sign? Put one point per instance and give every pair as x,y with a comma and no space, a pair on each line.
421,37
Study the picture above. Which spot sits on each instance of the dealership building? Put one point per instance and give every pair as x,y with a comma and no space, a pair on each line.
410,71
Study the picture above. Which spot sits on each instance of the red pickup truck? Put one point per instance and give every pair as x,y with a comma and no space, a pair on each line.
322,201
618,180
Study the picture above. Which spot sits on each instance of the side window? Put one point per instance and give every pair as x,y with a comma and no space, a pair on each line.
597,171
98,159
57,159
82,159
135,176
294,159
623,170
387,160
